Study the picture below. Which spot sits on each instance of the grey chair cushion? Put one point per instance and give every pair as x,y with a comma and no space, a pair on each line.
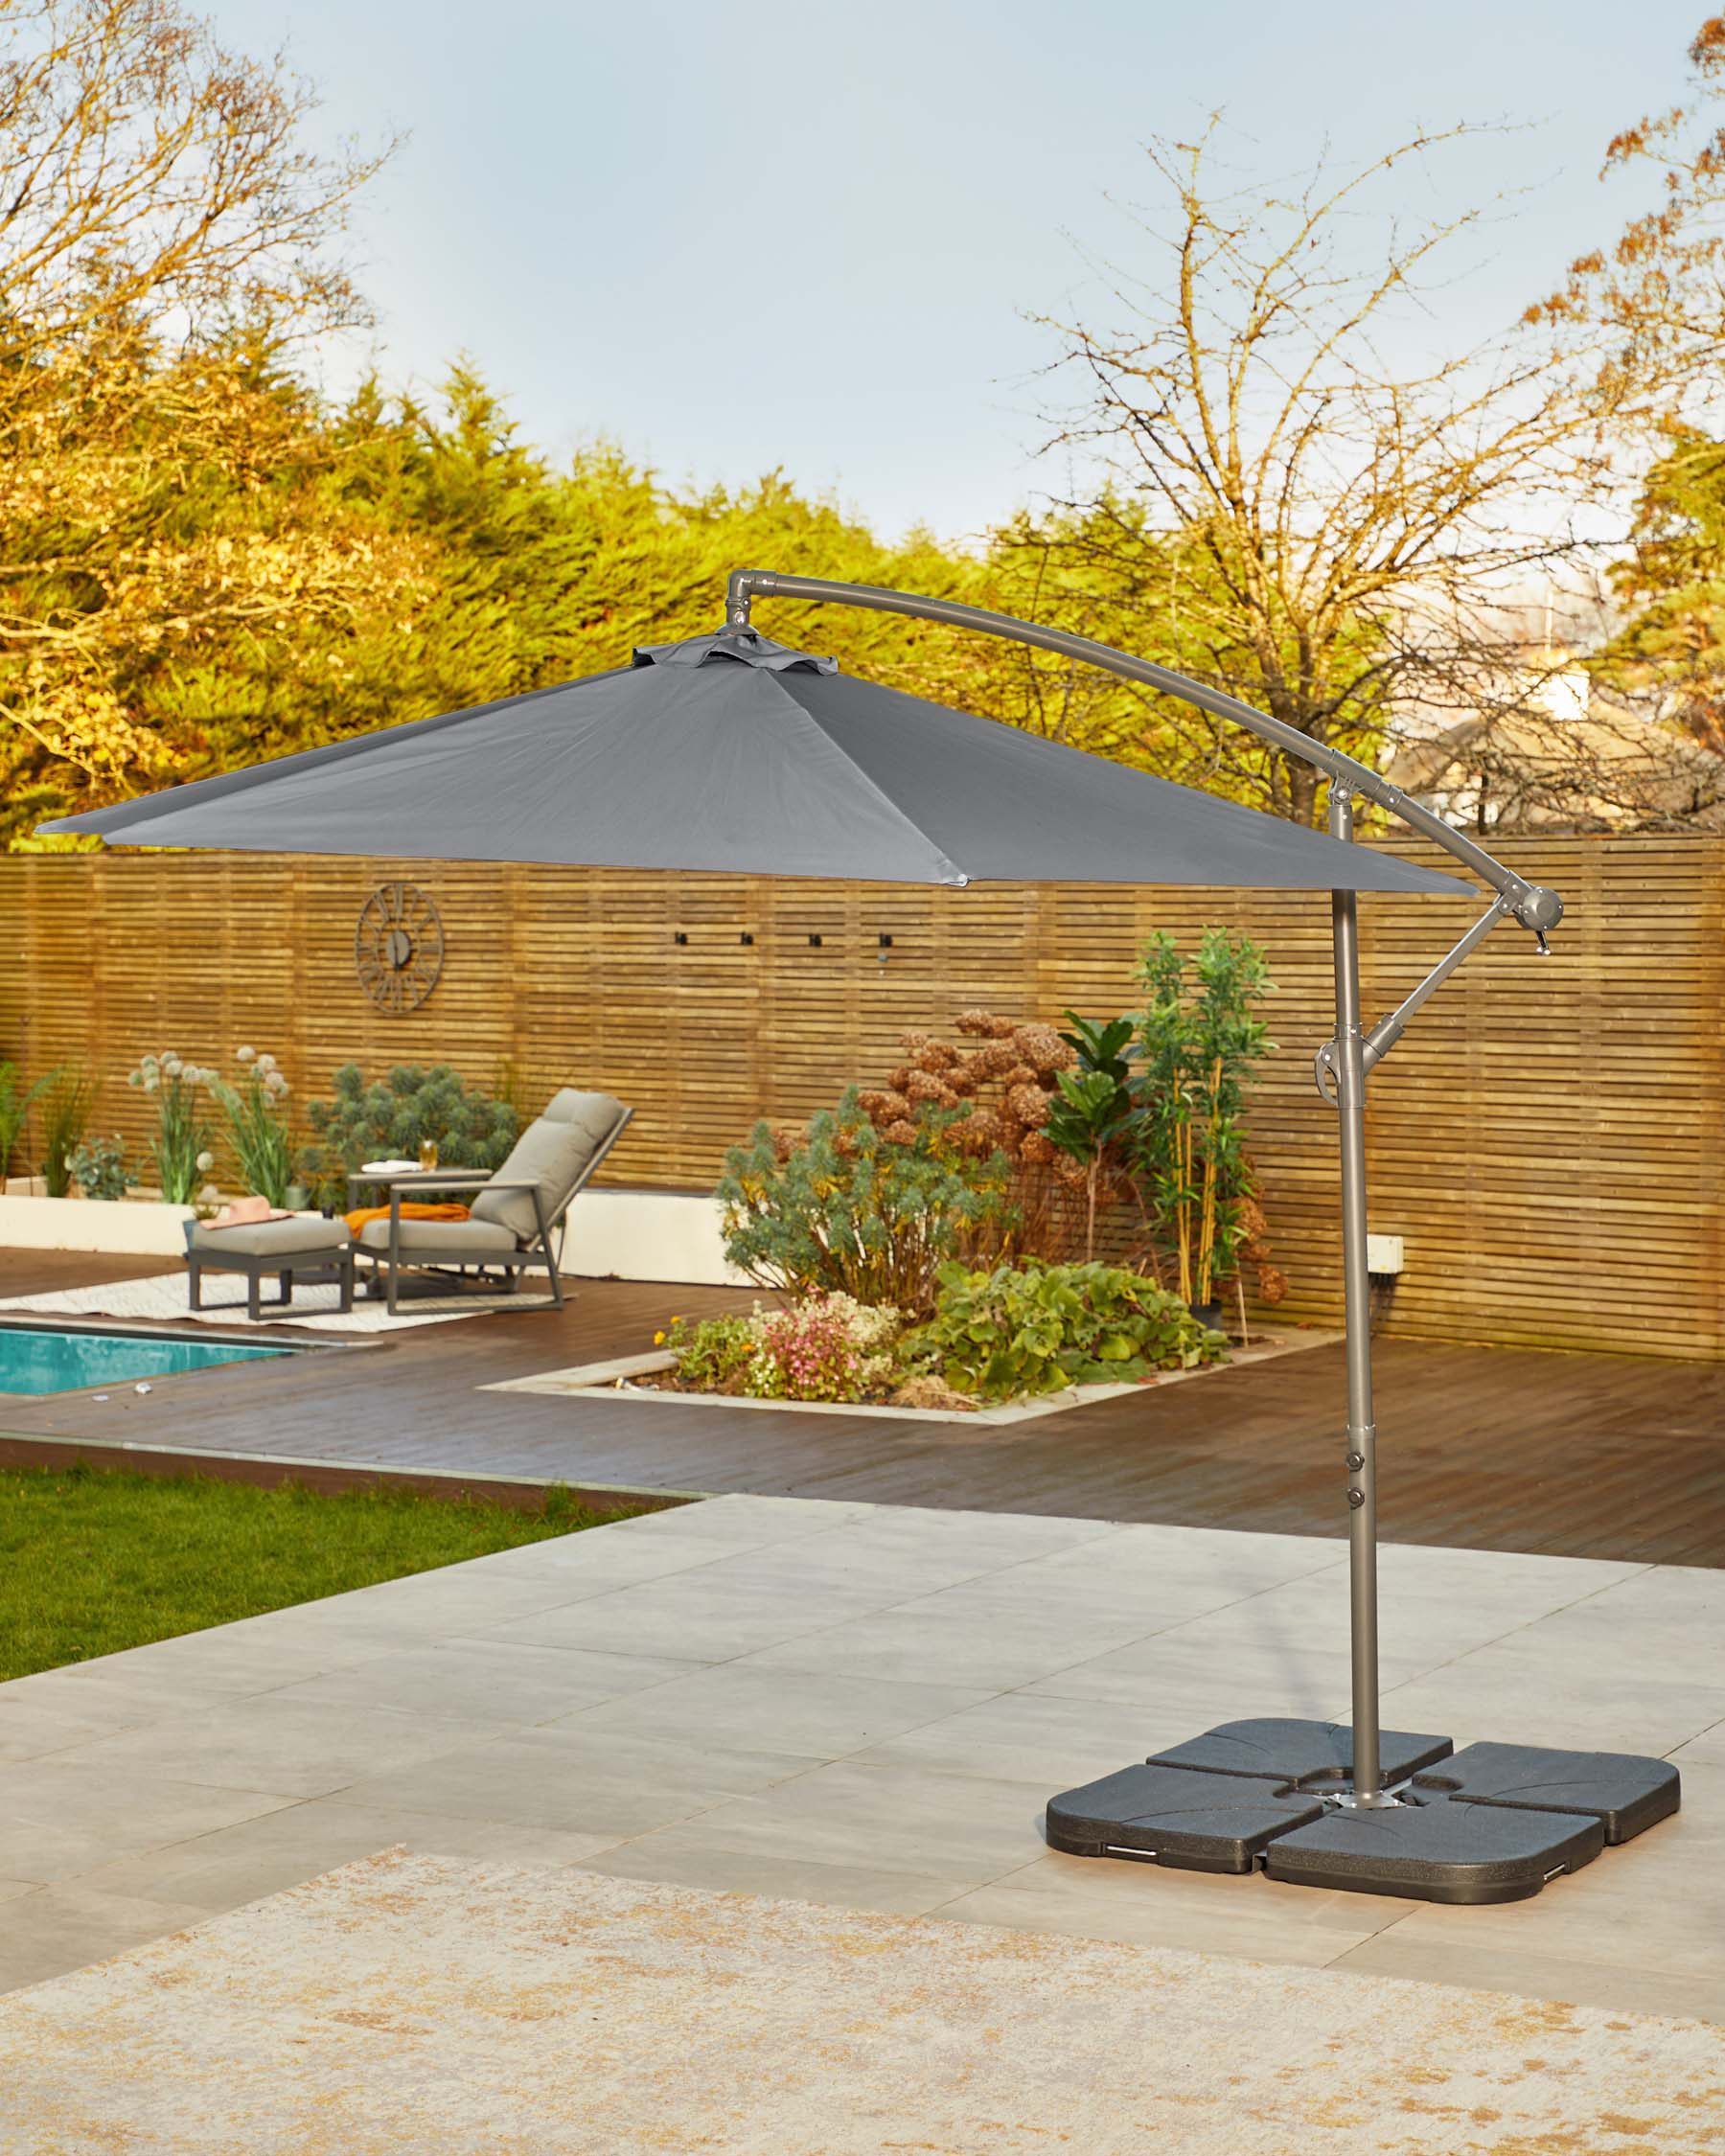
266,1238
448,1239
553,1151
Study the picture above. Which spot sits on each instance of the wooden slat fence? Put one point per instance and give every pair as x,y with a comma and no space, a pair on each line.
1547,1138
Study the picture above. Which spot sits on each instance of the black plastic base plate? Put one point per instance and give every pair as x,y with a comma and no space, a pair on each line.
1287,1749
1493,1822
1436,1851
1173,1816
1625,1793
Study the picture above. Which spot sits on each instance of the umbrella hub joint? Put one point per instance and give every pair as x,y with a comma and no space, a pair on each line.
734,645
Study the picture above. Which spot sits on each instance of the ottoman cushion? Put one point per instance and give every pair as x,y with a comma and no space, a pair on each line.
286,1239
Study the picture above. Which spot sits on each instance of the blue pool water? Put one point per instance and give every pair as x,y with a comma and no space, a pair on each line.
63,1362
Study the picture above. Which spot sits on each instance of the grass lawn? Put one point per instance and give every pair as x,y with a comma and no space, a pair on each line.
93,1559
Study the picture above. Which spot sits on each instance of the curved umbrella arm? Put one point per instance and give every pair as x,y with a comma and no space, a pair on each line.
1532,904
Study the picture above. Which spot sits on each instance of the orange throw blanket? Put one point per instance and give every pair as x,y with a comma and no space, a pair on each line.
355,1221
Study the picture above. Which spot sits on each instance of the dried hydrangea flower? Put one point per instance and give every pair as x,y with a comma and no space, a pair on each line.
1030,1104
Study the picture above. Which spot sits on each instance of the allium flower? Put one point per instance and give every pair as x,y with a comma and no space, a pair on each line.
267,1063
209,1194
172,1065
245,1055
205,1163
274,1083
134,1077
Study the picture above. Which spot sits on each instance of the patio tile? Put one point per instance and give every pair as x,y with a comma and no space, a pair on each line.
33,1725
234,1865
58,1820
1097,1604
890,1819
449,1598
743,1522
688,1619
591,1784
273,1744
1027,1737
1213,1681
1432,1569
226,1662
1208,1560
485,1681
599,1559
1226,1926
1404,1952
948,1547
990,1647
1707,1749
1515,1691
684,1856
820,1716
55,1929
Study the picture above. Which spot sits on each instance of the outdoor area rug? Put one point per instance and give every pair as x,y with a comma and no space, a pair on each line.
406,2002
163,1295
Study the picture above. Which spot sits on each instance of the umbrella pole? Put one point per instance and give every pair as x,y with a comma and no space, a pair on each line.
1362,1434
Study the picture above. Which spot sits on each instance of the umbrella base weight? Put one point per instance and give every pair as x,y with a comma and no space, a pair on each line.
1493,1823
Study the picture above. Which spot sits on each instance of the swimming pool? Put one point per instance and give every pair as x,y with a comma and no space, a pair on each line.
54,1361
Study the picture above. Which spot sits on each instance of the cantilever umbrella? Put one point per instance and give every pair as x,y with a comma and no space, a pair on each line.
730,753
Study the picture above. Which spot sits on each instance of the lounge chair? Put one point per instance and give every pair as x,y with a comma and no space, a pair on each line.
513,1214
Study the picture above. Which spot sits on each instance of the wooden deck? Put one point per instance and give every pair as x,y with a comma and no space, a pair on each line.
1498,1448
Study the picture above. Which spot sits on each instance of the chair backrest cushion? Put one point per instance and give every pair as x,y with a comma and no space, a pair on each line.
553,1152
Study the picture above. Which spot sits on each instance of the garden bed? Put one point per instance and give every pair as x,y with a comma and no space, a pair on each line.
620,1379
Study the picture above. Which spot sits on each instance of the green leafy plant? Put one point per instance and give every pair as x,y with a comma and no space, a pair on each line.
390,1119
1094,1114
1200,1039
67,1105
1034,1328
16,1100
101,1170
180,1146
258,1133
851,1209
713,1356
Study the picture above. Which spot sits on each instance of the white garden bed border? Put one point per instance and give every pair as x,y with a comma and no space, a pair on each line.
611,1381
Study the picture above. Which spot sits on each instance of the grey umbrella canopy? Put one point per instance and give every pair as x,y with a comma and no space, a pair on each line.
729,752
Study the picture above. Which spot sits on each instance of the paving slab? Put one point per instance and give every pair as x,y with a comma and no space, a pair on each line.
868,1707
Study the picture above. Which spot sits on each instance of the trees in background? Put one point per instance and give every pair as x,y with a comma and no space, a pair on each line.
1285,484
1292,512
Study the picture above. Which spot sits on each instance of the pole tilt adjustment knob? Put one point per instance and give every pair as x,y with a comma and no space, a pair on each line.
1355,1462
1356,1498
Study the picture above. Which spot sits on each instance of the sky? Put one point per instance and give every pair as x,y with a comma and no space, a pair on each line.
815,237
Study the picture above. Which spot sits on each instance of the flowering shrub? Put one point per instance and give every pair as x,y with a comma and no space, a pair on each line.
255,1112
182,1133
825,1347
853,1210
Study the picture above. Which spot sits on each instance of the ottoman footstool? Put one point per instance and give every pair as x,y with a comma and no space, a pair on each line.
301,1248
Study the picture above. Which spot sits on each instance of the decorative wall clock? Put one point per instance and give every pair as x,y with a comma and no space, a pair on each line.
399,947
